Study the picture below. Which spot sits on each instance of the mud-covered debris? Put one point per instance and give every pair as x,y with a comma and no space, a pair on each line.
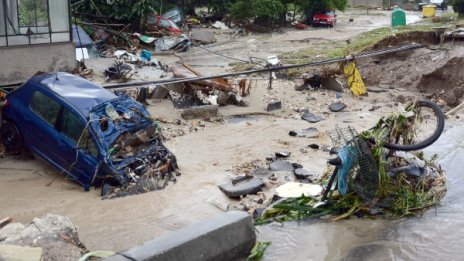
274,106
242,188
332,84
310,117
296,189
337,106
308,133
303,173
200,112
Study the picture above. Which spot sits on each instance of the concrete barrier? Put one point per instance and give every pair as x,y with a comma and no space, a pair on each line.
230,236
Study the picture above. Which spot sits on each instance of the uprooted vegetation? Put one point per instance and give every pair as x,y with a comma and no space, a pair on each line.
372,181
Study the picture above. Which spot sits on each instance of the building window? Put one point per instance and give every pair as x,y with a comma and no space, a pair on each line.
26,22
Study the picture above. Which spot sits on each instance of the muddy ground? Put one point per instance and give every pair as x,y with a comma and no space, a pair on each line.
209,151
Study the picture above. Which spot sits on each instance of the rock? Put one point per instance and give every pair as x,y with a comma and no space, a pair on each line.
274,106
451,99
332,84
56,235
375,107
281,165
11,230
376,89
337,106
302,173
200,112
308,133
312,118
20,253
282,154
249,186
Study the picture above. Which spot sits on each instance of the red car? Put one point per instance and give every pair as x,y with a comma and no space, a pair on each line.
325,18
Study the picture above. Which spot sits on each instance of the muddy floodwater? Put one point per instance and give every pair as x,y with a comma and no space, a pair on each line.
434,236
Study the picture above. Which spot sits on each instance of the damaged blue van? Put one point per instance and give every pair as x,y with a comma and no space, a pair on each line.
85,131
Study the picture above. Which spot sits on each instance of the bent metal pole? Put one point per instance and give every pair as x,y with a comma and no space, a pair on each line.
278,68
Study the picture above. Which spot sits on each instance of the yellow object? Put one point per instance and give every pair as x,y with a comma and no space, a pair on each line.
353,77
429,11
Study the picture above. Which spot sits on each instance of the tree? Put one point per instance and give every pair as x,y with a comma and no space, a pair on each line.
263,11
458,6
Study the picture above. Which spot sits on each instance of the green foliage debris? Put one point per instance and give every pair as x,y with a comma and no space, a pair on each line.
258,250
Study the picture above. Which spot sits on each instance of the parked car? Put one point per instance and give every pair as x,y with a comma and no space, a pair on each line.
325,18
83,130
440,4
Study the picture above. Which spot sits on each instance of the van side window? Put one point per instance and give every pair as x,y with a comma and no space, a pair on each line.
45,107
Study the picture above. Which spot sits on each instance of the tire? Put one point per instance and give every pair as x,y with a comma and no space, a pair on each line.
431,138
11,137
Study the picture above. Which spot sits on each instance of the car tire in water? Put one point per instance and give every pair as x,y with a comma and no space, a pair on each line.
10,137
437,118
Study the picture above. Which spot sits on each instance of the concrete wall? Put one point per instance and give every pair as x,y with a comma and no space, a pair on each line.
19,63
230,236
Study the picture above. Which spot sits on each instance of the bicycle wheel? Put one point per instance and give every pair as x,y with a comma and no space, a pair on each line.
423,128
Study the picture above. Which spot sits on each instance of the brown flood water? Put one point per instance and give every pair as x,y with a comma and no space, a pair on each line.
434,236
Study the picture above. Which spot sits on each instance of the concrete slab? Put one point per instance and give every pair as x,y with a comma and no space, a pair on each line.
230,236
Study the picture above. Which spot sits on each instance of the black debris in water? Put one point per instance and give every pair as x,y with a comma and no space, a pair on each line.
308,133
274,106
282,154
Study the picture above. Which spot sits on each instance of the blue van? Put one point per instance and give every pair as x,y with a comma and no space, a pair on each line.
83,130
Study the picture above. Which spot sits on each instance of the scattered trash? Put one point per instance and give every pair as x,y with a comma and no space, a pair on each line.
272,61
159,21
354,79
145,38
176,42
120,71
312,118
296,189
337,106
220,25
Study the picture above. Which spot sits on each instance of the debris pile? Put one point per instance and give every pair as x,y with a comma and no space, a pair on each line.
137,159
372,181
